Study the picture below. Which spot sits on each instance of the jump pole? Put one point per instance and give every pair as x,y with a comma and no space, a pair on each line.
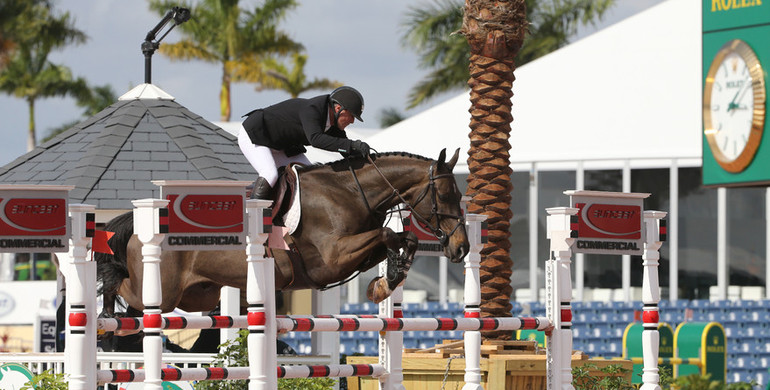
260,287
147,228
80,276
472,299
558,294
655,227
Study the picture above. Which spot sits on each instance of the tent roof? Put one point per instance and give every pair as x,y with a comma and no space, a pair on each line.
111,157
629,91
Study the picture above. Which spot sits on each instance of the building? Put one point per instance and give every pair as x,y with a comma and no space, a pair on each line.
620,110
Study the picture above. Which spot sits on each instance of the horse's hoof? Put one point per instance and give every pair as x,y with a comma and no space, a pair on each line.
378,290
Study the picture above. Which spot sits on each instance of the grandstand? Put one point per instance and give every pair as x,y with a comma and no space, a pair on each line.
597,329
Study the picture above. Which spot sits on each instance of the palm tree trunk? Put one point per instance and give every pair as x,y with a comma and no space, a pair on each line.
224,95
31,140
495,31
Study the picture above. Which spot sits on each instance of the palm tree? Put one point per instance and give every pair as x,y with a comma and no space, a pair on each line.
430,31
389,116
495,31
28,74
279,77
221,32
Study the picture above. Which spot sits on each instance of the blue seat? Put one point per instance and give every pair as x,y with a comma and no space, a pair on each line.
348,347
722,304
350,308
679,304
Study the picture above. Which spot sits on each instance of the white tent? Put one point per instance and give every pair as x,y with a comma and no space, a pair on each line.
629,91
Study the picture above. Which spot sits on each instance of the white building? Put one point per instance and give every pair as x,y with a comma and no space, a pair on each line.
619,110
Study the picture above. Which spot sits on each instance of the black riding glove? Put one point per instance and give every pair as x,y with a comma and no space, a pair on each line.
361,147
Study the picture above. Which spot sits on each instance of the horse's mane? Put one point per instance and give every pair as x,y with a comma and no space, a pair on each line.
335,164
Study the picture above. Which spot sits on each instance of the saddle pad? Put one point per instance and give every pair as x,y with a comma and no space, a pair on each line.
291,219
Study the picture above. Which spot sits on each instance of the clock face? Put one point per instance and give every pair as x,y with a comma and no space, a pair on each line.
734,106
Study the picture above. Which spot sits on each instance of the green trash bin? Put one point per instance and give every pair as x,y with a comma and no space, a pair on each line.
632,346
706,342
532,334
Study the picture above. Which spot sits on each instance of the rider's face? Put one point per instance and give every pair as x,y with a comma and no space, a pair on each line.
345,118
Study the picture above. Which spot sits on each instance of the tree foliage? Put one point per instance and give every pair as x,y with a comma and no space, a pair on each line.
238,40
274,74
28,74
431,31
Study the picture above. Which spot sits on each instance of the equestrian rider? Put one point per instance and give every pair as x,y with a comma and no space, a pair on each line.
275,136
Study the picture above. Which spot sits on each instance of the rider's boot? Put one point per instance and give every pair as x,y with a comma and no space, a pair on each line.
262,189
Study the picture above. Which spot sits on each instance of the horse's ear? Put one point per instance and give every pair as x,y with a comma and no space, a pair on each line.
452,161
442,156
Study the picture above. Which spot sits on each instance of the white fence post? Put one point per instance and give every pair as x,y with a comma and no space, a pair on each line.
559,298
147,214
472,339
81,304
650,299
262,368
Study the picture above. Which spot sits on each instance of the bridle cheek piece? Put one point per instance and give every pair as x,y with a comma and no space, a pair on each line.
443,238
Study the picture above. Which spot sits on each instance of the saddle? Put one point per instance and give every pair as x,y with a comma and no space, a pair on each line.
285,192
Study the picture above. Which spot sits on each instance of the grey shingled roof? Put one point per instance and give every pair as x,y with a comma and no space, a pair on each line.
112,157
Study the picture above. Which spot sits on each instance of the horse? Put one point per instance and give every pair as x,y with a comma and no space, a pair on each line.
344,205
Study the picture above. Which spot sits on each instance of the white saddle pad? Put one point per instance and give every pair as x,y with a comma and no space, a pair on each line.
291,219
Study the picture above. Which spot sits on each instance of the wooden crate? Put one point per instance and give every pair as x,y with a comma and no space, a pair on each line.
506,365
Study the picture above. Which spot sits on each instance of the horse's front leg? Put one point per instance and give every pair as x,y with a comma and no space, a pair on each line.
400,250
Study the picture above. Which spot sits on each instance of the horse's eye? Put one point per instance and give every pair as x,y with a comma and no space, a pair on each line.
443,197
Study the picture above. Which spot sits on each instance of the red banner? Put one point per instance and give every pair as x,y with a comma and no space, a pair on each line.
33,217
609,221
205,213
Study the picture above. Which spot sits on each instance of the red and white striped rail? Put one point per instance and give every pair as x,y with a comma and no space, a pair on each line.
409,324
242,373
342,323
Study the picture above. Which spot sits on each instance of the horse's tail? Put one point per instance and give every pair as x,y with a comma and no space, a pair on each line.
112,269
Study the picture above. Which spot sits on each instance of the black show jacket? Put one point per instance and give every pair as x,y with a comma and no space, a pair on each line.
294,123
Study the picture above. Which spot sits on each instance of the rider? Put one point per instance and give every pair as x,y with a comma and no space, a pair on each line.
276,135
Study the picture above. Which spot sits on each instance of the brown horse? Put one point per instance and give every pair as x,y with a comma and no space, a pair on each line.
343,209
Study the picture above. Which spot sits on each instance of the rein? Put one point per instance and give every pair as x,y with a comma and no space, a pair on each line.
436,230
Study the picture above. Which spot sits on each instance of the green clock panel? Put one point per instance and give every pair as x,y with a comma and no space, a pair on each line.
758,172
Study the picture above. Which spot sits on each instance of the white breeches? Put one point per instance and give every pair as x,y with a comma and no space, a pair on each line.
265,160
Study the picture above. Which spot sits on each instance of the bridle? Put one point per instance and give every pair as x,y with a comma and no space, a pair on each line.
436,230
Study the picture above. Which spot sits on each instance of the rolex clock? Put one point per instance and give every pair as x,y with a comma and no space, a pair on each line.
734,106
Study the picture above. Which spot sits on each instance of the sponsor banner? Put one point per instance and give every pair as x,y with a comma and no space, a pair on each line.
427,244
609,222
205,216
34,220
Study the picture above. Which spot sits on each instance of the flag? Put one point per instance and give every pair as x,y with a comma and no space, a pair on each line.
99,242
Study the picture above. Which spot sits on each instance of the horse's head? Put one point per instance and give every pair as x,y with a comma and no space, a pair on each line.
440,207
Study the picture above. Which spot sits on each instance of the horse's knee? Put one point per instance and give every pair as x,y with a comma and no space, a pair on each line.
390,238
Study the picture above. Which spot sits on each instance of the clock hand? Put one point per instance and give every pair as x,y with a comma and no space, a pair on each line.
742,92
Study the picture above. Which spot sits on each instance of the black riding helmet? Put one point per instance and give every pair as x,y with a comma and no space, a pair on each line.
349,99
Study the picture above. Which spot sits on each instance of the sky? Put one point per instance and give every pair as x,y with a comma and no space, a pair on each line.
357,42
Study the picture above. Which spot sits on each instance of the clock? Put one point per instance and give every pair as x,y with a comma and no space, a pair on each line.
734,106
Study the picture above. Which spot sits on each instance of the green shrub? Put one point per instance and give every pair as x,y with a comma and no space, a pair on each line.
46,380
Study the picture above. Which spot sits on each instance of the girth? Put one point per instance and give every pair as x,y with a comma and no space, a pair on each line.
292,260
